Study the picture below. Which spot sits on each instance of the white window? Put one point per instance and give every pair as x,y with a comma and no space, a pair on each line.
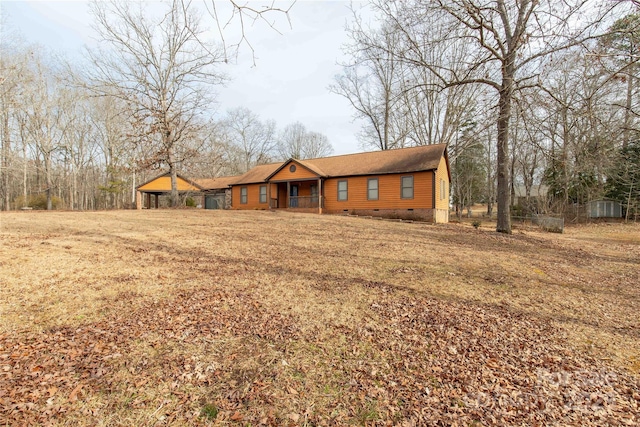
342,190
263,194
372,189
407,187
243,195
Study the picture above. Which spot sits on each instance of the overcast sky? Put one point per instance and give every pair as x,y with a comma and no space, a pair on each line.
288,82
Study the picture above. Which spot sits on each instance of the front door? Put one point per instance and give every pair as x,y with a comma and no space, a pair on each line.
293,196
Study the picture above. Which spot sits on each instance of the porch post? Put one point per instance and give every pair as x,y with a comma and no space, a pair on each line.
148,200
269,195
138,200
157,197
288,195
319,195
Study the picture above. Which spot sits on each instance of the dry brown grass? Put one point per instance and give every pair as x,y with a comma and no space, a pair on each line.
144,318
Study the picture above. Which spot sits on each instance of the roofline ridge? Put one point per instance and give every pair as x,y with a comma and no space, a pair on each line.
377,151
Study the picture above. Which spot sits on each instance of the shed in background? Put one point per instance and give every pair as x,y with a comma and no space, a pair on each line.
604,209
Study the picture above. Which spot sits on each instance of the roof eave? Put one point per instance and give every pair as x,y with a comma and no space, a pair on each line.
169,173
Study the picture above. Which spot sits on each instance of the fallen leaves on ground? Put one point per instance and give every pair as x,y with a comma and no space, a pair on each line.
413,361
227,318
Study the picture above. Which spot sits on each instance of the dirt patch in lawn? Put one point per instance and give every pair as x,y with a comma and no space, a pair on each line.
258,318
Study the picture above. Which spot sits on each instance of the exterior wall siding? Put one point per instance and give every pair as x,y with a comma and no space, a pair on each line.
304,188
442,193
300,173
282,196
253,197
442,199
389,189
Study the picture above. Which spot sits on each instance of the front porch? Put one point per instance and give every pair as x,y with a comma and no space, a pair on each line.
298,195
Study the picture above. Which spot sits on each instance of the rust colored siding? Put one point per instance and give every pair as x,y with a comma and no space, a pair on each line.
442,186
274,192
253,197
304,188
388,193
300,173
282,196
163,183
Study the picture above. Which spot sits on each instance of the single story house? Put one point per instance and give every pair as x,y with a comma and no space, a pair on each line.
408,183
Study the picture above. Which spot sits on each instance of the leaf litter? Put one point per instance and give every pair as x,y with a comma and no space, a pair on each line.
249,348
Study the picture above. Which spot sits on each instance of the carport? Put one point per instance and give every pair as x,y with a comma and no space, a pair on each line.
213,193
148,194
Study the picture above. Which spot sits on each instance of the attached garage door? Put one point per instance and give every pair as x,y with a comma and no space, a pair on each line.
214,202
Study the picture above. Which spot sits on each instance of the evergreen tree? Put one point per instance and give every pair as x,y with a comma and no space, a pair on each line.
624,181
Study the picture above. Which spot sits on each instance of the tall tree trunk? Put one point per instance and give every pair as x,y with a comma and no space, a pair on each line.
25,202
171,160
512,178
504,114
174,178
489,179
5,159
75,194
174,186
385,143
47,172
627,113
133,189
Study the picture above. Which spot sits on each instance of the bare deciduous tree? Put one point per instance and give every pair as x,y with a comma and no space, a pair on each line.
317,145
249,138
298,143
370,83
163,68
244,14
508,41
402,102
46,117
13,65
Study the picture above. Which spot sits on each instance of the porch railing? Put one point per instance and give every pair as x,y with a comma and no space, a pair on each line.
303,202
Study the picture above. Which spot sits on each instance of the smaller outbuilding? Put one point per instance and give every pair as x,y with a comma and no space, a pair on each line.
213,192
604,209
